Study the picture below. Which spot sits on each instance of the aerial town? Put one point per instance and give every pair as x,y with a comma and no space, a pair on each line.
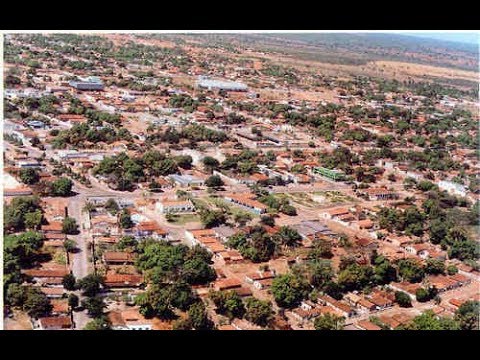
209,182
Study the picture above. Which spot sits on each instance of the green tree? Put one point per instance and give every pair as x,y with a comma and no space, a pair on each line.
288,290
69,282
422,295
36,303
125,220
288,236
73,301
214,181
94,305
410,270
329,322
242,218
69,226
429,321
14,214
29,176
468,315
258,311
161,299
210,163
62,187
127,242
100,323
70,245
212,218
33,220
452,270
434,266
228,303
197,315
184,161
15,295
91,284
196,271
112,206
402,299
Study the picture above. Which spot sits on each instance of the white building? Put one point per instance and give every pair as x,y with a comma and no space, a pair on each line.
452,188
174,206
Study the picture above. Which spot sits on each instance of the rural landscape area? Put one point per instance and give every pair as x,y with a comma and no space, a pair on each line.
250,181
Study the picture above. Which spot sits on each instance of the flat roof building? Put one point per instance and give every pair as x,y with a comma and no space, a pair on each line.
210,84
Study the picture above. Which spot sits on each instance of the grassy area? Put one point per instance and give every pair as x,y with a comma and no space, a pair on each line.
185,218
232,209
59,257
334,196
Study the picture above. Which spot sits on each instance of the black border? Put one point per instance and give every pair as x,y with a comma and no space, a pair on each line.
236,15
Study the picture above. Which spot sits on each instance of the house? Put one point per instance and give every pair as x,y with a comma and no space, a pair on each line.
381,302
366,306
247,202
263,283
193,234
186,180
408,288
55,227
421,250
333,214
230,256
150,229
399,241
59,306
259,275
365,224
367,325
175,206
113,280
118,258
104,224
53,292
452,188
377,194
334,175
224,232
19,191
227,284
129,319
366,244
242,324
55,323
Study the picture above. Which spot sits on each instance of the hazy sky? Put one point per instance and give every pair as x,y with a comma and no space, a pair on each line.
464,37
